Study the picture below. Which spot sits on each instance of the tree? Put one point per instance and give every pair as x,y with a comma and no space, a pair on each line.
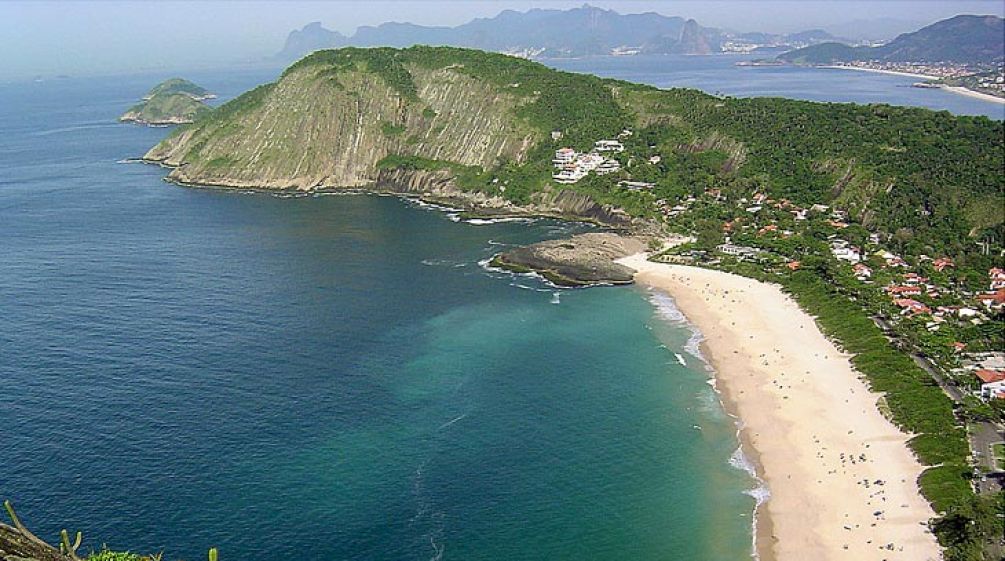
708,233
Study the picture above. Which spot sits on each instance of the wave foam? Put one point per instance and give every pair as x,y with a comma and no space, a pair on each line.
486,221
760,492
666,309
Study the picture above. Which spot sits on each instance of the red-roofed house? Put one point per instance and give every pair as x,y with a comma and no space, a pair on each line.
994,301
914,278
793,265
992,382
959,347
903,290
912,307
862,271
942,262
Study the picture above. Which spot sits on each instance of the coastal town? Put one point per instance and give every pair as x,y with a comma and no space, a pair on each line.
947,316
951,317
985,79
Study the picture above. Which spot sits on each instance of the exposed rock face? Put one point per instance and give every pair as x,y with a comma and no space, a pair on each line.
318,129
439,186
693,39
335,120
582,260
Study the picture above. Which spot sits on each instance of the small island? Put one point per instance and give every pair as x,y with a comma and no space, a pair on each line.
172,102
180,86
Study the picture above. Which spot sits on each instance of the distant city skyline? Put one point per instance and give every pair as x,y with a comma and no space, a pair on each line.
86,38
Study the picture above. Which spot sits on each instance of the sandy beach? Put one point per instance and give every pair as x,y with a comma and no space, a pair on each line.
954,89
841,478
977,95
879,71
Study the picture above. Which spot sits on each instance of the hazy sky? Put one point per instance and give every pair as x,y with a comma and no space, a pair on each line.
111,37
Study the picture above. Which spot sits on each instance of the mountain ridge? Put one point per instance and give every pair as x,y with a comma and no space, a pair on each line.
552,33
966,39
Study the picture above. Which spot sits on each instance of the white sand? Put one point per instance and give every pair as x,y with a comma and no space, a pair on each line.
954,89
977,95
878,71
809,422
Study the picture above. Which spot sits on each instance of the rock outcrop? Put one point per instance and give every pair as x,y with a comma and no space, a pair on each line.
583,260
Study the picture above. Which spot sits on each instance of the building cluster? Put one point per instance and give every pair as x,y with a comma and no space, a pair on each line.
936,69
924,296
741,252
572,166
991,83
988,371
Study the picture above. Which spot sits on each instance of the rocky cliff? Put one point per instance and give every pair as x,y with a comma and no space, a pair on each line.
332,118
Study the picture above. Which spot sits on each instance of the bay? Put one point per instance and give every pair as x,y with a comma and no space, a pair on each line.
338,377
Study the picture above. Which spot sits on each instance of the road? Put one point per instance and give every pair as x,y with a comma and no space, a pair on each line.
981,434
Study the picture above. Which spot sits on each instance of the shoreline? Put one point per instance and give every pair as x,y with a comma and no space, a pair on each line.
880,71
467,204
842,482
960,90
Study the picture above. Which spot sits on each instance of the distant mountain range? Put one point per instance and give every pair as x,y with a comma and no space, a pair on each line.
582,31
962,39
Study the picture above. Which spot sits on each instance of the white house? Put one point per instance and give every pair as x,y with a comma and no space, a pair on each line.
608,146
992,383
739,251
843,251
608,166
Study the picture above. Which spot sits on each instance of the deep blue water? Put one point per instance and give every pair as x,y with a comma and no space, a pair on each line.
719,74
328,377
335,377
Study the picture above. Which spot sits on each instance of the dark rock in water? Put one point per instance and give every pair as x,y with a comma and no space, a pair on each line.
584,260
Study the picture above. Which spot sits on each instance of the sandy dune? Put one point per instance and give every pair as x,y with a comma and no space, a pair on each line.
842,480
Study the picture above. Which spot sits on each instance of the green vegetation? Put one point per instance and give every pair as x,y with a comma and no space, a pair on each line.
915,403
106,555
911,399
968,528
385,62
963,39
179,86
825,53
940,184
930,176
999,453
166,108
924,183
391,129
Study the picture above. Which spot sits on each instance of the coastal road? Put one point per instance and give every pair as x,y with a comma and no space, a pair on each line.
981,435
952,390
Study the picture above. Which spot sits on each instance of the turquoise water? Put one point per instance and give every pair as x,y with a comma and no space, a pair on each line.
337,377
330,377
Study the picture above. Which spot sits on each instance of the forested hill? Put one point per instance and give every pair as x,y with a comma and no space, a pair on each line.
483,123
962,39
179,86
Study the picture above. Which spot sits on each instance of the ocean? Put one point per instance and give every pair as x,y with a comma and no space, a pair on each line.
719,74
329,377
